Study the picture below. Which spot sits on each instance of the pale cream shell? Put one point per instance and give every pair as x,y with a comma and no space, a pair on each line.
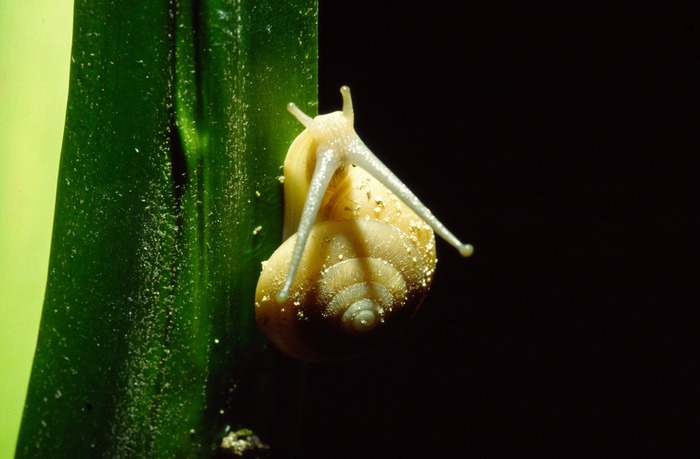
342,259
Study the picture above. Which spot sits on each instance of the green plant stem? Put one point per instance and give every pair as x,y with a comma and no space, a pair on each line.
168,200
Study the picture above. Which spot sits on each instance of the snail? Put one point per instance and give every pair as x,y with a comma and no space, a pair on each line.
359,250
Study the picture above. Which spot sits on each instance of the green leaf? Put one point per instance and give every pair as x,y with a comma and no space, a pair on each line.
168,199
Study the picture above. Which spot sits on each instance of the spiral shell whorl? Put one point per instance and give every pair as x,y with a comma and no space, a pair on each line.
364,281
363,315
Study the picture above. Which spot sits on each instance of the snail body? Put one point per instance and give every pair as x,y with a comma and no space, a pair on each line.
359,254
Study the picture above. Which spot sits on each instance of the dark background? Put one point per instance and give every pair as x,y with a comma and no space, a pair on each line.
557,141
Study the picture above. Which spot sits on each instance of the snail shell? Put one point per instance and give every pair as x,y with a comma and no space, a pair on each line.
359,254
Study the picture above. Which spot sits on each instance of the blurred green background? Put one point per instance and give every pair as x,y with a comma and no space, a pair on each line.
35,39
